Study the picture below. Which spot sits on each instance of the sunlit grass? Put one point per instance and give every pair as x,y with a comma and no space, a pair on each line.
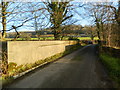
87,38
50,38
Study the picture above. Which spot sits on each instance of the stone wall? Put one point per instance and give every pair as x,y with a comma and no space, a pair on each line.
23,52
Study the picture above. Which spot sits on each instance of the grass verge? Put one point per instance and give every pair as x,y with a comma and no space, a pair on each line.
113,66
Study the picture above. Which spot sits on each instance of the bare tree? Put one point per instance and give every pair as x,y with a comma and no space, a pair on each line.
58,14
38,23
16,14
113,22
100,17
90,31
4,6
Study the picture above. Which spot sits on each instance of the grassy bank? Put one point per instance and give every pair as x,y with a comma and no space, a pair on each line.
113,66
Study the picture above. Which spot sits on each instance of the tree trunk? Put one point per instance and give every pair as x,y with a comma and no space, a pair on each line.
4,6
56,36
98,34
4,27
98,30
118,14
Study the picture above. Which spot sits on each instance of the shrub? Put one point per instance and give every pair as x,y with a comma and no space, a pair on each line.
4,67
11,66
29,66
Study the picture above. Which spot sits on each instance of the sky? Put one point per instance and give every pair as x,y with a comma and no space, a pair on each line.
64,0
79,16
80,20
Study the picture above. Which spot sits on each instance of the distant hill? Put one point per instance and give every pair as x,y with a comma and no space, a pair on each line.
68,29
31,33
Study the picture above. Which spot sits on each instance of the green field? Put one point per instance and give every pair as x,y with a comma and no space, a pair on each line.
87,38
49,38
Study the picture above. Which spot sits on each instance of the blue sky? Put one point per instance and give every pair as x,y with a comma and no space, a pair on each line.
79,16
80,20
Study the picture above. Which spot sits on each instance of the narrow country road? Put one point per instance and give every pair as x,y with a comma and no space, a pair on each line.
80,69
